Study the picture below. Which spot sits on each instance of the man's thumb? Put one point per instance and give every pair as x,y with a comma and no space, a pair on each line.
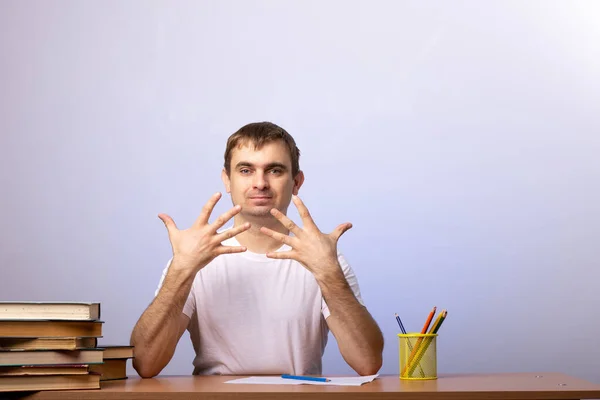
168,221
339,231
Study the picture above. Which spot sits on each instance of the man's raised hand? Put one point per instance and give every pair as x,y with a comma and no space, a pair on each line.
198,245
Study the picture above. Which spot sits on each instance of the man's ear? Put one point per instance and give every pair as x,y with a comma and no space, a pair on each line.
226,181
298,181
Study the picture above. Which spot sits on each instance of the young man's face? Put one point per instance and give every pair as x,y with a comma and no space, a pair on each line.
261,179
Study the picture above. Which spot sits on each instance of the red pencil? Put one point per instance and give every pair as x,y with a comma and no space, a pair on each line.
429,318
418,343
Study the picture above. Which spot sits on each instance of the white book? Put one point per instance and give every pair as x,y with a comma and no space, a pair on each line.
49,310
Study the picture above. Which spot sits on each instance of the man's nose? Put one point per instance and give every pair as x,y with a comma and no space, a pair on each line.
260,181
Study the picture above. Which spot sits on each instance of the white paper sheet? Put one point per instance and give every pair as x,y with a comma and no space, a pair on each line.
277,380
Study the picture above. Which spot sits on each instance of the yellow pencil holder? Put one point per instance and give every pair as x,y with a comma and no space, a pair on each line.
418,356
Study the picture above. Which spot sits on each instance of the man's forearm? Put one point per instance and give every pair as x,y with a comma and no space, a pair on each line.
359,338
156,334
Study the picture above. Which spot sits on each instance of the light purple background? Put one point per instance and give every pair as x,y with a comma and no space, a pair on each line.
461,139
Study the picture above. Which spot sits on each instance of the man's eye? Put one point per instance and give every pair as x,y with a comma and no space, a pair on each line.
245,171
276,171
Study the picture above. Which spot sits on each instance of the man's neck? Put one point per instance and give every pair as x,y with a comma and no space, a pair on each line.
256,241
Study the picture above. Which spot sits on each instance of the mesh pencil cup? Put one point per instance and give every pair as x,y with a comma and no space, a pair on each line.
418,356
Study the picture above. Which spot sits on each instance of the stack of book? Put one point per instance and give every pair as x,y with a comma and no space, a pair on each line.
54,346
115,362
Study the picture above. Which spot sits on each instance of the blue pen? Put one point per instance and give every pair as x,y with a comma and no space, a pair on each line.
305,378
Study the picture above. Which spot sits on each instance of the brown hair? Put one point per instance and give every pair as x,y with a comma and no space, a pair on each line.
260,133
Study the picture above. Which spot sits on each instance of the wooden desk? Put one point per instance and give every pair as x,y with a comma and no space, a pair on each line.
524,386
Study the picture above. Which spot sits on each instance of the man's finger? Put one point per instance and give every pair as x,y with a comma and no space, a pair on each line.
287,239
230,249
229,233
168,221
339,231
291,255
207,210
285,221
307,220
223,218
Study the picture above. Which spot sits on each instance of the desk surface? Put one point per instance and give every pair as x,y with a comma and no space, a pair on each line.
446,387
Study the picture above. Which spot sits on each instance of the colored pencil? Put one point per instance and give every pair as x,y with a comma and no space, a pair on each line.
429,318
414,351
410,347
423,348
400,323
305,378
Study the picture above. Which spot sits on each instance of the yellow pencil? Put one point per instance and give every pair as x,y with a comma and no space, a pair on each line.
423,348
438,322
415,349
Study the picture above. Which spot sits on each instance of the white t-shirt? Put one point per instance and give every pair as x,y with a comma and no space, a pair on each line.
250,314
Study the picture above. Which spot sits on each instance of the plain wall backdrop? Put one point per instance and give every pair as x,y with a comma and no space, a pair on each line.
460,138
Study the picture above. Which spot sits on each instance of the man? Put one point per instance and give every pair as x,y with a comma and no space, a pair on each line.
255,298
